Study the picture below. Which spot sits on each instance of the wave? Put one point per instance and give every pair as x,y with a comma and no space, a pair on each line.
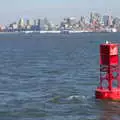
70,99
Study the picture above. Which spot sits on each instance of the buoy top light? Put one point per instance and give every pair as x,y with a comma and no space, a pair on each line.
106,41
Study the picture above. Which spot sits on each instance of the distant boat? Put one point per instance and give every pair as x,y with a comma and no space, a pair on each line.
64,31
27,32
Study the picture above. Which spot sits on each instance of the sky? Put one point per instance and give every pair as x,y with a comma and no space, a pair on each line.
54,10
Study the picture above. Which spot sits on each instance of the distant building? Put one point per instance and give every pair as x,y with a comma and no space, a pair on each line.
110,22
71,21
21,24
91,18
42,25
106,20
2,28
29,22
46,22
38,22
13,26
35,23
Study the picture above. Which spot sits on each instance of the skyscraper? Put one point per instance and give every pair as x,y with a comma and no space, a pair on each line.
28,22
21,23
106,20
91,18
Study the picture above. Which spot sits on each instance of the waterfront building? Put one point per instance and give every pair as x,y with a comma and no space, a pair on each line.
38,22
110,22
34,26
91,18
116,21
46,28
21,24
35,23
106,20
29,22
2,28
45,21
15,26
72,21
42,25
82,19
50,26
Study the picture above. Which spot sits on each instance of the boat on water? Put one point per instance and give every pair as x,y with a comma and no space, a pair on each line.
49,31
64,31
27,32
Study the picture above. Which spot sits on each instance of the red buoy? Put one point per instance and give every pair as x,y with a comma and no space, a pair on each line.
109,87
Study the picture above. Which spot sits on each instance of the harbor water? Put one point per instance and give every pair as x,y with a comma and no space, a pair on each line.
53,77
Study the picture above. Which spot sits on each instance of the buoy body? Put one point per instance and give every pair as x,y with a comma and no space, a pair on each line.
109,86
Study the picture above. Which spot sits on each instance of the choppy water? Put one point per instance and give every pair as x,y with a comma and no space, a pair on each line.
52,77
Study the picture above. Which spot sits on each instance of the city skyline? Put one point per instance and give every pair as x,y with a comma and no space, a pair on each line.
54,10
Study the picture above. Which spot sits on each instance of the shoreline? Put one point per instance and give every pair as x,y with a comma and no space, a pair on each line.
54,32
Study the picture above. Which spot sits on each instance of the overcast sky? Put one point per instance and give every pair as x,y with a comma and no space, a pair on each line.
55,10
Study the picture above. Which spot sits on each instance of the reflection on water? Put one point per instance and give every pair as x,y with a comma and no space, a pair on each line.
110,111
